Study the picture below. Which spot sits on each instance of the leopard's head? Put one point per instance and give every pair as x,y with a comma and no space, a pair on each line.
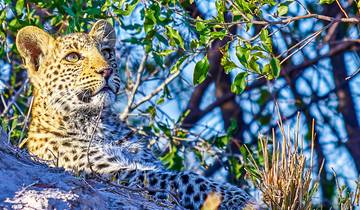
73,72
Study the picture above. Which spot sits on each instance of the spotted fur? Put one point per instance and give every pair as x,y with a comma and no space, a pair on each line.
75,82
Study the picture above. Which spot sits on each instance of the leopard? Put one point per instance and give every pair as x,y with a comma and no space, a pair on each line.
75,82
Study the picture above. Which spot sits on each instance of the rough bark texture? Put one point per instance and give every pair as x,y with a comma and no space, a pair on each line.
26,184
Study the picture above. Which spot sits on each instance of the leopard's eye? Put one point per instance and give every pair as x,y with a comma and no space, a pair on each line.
72,57
106,52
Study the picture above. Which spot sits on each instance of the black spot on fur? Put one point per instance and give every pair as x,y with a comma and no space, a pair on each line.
162,196
66,144
55,148
204,196
185,179
189,190
163,185
112,159
141,178
199,180
82,156
93,152
98,157
75,157
102,165
66,108
197,198
153,181
203,187
173,177
187,200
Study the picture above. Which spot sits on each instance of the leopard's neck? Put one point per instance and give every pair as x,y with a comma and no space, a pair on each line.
85,125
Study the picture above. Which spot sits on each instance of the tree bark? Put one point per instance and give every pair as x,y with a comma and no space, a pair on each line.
346,105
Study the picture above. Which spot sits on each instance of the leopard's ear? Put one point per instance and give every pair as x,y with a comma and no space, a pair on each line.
32,43
104,32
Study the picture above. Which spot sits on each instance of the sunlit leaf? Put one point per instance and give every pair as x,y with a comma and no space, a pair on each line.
239,83
282,10
200,71
275,67
326,1
19,6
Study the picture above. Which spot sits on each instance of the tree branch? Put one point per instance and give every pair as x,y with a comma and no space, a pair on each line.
140,71
156,91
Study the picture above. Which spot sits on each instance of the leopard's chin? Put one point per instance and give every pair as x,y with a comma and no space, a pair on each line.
106,97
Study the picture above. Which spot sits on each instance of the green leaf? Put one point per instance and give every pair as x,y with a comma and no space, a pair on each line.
266,40
165,129
128,7
172,160
218,34
15,24
275,67
174,37
201,70
282,10
253,65
19,6
177,65
69,11
152,111
161,100
239,84
150,20
233,127
243,54
161,38
166,52
220,6
222,141
226,62
200,25
326,1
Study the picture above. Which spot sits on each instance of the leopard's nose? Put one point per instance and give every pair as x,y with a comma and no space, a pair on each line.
105,72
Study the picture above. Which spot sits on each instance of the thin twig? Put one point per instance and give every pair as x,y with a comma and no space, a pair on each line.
342,9
307,42
140,71
14,98
353,74
157,90
26,120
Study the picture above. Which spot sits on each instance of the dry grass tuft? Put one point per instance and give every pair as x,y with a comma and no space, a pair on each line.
284,178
